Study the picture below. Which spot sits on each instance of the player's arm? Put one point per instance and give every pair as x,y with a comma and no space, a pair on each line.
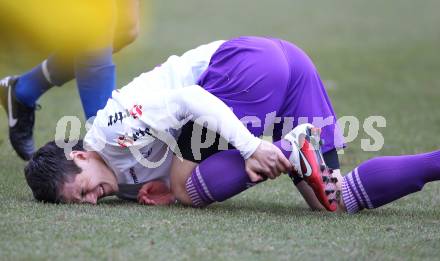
261,157
195,102
155,193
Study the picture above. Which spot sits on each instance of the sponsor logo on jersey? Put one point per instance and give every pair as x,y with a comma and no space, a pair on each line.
117,116
124,141
141,133
136,111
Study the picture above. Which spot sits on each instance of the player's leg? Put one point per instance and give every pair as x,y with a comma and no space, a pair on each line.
216,179
95,73
20,117
381,180
222,175
58,68
307,101
374,183
180,172
94,68
19,94
31,85
95,77
127,23
331,159
23,91
251,75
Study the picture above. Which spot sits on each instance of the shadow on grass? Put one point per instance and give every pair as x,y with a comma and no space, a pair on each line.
275,209
237,206
389,212
114,201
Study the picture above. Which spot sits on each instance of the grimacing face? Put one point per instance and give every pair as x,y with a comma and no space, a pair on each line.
95,181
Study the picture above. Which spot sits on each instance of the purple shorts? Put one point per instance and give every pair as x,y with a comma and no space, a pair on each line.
273,86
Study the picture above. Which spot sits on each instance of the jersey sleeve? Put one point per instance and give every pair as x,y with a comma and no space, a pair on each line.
194,102
163,112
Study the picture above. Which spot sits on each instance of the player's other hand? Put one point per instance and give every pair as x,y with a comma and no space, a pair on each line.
267,161
155,193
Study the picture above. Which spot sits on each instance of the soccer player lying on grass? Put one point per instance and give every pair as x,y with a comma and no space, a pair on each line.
258,78
254,76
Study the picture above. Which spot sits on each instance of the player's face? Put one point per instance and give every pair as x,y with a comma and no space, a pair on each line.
94,182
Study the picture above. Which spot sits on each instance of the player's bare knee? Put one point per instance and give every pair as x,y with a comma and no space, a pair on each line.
181,171
178,188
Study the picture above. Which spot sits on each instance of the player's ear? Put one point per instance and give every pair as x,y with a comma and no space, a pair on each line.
78,155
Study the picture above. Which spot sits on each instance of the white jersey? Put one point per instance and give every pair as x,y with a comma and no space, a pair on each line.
141,122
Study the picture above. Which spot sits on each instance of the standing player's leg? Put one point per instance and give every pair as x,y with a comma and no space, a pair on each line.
94,68
95,77
93,64
127,23
18,95
58,68
21,118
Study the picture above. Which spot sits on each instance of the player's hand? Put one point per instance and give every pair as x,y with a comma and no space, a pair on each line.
267,161
155,193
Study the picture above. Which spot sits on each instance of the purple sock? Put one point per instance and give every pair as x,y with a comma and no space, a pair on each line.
220,177
382,180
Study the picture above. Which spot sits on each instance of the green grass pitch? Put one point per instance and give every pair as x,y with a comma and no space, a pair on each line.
378,58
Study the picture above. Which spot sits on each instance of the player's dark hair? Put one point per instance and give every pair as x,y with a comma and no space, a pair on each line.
49,169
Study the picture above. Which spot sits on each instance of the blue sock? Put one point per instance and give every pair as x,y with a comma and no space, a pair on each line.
31,85
95,77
